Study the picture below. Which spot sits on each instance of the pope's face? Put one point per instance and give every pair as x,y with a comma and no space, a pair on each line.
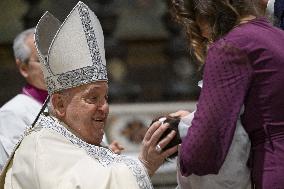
86,110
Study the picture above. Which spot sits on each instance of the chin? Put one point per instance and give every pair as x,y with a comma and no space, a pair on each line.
96,140
93,142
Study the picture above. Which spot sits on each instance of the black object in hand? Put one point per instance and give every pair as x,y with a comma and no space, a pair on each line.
173,125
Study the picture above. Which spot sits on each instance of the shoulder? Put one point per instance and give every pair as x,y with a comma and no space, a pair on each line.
49,143
236,39
41,156
256,36
247,39
45,149
21,105
18,113
224,52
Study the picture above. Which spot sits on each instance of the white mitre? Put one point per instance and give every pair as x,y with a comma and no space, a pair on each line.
71,53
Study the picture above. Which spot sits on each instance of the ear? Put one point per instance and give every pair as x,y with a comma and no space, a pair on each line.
23,68
59,104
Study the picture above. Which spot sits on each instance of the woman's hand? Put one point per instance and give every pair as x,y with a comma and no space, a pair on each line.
180,113
152,156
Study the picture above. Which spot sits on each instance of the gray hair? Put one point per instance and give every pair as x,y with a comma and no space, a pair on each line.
50,109
21,50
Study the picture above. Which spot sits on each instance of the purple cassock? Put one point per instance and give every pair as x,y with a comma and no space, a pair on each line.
245,67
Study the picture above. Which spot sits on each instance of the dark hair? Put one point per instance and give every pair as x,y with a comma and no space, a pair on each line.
221,15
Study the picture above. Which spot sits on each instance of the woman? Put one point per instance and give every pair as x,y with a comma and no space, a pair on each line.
244,64
234,173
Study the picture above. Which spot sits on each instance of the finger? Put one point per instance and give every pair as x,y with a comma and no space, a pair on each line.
165,141
151,130
117,145
117,151
180,113
170,151
158,133
114,143
176,114
120,147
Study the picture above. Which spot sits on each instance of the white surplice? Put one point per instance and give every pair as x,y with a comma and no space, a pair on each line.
15,116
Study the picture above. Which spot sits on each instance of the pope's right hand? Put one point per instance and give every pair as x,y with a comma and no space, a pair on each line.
152,155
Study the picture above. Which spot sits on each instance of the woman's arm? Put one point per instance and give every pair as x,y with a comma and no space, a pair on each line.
227,76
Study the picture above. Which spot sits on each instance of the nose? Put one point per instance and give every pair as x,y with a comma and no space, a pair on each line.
103,106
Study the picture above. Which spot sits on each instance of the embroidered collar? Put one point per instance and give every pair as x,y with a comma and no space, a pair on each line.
103,155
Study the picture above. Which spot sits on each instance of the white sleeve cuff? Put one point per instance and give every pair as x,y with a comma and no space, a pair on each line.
184,124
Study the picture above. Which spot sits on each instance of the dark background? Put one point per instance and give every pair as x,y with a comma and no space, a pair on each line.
147,55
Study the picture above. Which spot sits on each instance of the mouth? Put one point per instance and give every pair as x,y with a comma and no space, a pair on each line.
100,120
99,124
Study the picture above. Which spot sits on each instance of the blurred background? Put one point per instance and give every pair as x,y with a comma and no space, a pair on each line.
147,55
150,69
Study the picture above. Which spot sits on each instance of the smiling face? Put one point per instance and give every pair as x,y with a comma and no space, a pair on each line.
84,109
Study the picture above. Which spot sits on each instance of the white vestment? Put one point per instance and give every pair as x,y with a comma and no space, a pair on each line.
15,116
50,156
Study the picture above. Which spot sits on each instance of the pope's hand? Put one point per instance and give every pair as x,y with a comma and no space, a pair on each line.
152,155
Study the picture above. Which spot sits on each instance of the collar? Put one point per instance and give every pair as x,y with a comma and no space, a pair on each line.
103,155
38,94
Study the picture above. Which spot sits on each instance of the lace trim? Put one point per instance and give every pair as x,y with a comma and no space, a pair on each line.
104,156
92,41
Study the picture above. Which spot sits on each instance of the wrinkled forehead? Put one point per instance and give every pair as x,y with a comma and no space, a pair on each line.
95,87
